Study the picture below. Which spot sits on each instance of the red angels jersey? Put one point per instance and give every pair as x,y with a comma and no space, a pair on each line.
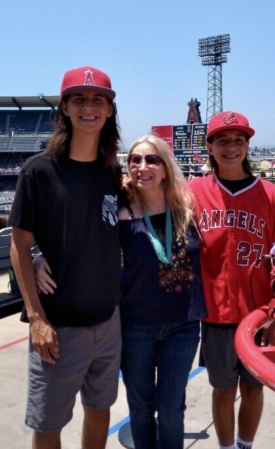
237,229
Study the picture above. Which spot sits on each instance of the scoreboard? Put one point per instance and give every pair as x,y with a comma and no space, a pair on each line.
182,137
199,136
188,142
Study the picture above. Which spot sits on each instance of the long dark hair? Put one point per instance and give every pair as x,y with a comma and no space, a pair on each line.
59,143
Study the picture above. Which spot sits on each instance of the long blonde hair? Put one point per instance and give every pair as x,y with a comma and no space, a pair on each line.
177,193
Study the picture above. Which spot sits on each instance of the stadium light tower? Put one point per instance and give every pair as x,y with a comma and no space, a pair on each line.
213,51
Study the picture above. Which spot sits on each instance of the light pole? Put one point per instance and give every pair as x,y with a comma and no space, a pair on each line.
213,51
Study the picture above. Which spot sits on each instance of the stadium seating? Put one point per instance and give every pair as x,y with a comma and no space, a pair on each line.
26,122
23,130
24,143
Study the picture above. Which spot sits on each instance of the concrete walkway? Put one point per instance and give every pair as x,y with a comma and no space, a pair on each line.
199,429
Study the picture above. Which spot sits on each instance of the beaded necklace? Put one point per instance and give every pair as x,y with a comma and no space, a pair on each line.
164,255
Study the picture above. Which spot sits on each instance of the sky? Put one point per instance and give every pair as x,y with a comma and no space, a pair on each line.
149,48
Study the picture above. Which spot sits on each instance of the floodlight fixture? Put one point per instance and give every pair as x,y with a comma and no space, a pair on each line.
219,59
215,47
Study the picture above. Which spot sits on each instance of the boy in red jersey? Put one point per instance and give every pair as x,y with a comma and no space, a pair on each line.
236,216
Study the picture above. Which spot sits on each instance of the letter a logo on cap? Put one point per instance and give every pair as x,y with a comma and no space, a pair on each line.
230,118
89,78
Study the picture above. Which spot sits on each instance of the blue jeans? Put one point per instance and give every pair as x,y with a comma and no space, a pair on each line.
156,361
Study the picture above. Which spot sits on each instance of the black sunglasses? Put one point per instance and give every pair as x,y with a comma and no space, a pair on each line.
150,159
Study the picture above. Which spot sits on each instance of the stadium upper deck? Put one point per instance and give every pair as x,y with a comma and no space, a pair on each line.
24,122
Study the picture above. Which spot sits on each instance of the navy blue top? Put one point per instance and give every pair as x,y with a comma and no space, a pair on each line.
154,292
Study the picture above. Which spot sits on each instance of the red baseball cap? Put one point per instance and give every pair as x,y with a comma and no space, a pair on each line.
87,77
228,120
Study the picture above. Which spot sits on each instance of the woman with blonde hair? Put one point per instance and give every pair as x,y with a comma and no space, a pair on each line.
162,300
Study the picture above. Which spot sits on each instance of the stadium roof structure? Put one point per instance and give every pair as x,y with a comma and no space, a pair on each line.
39,101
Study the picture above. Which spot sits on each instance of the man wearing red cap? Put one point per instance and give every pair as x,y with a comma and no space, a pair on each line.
236,216
66,200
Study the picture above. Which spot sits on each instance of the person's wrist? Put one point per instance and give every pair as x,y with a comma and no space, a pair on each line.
34,316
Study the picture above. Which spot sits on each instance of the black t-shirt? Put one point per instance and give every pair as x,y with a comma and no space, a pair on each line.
71,209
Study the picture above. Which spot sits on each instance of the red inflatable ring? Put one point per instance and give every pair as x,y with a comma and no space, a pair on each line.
258,360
